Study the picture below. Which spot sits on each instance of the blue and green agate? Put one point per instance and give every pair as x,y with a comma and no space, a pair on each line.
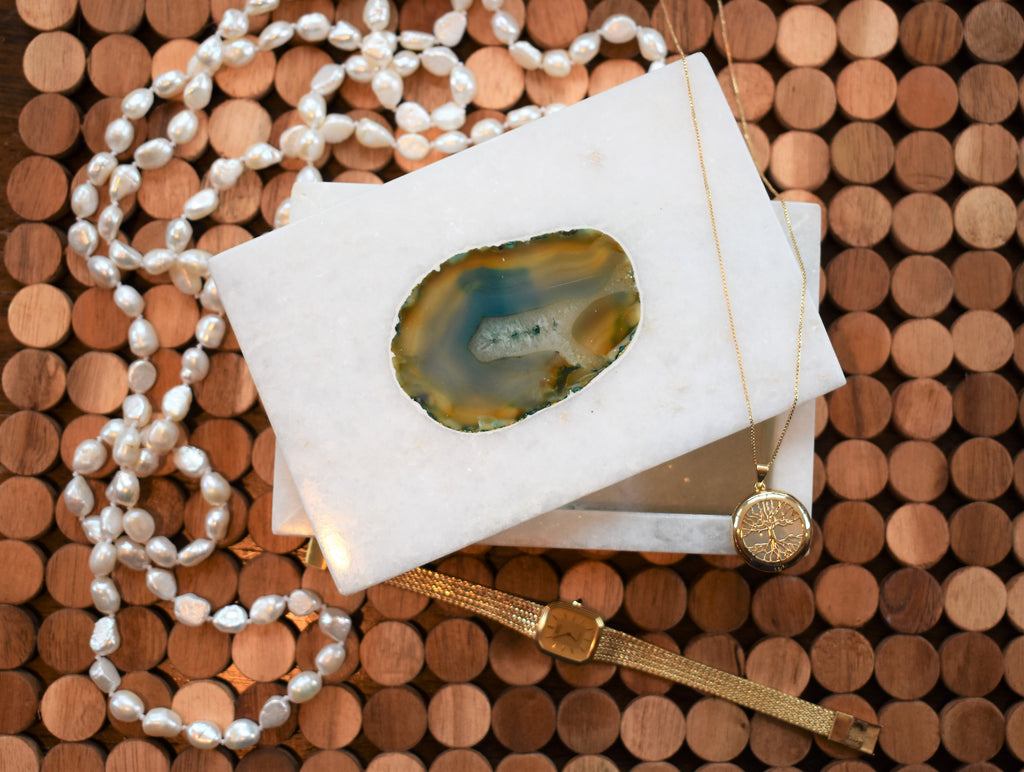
500,332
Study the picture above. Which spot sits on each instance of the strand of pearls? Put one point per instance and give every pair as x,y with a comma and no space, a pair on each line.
122,532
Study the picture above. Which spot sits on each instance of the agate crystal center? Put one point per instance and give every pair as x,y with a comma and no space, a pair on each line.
500,332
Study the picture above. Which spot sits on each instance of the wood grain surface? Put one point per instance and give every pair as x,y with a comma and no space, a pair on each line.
904,120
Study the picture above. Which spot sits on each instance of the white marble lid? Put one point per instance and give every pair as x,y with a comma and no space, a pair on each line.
314,307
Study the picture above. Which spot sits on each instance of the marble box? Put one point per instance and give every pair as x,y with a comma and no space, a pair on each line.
314,307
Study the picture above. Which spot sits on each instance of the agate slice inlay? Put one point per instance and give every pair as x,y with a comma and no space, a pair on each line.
500,332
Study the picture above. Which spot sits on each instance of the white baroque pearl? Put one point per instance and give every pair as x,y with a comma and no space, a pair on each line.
523,115
161,722
337,128
344,36
330,658
210,52
104,675
335,623
78,496
137,408
204,735
191,610
313,27
304,602
102,558
162,551
195,261
157,261
485,129
290,140
308,174
201,204
191,461
387,86
126,449
451,142
358,68
312,108
233,24
618,28
188,282
111,522
652,44
463,85
526,55
92,529
230,619
105,596
110,430
126,705
142,338
505,28
267,608
217,521
209,298
377,14
138,524
369,133
178,233
414,40
124,488
176,402
449,116
103,272
90,456
162,434
450,28
148,463
241,733
128,299
415,147
405,63
99,168
328,79
311,145
585,47
105,638
261,155
169,84
119,135
412,117
196,362
304,686
109,221
161,583
182,127
131,554
141,376
215,488
276,710
275,35
239,53
224,172
83,238
196,552
439,60
125,257
155,154
257,7
557,63
85,200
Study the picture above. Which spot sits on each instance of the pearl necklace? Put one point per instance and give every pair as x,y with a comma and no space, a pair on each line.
122,532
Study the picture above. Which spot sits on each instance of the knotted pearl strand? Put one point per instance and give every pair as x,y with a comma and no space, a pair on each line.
122,532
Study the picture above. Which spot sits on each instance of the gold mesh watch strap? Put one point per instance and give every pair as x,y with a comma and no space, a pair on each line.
622,649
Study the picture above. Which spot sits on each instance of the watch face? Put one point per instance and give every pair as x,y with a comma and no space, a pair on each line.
568,632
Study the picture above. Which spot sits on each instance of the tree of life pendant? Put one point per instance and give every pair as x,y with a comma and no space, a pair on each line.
771,530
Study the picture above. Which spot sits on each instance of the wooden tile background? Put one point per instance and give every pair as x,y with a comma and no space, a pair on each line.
912,604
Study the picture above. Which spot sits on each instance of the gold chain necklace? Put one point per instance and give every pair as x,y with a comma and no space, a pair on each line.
771,529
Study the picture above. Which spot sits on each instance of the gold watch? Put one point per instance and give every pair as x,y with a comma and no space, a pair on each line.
574,633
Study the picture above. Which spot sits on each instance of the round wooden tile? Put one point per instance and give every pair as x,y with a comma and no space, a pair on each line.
910,731
459,715
972,729
907,667
783,605
72,708
975,598
653,727
910,600
54,62
523,719
716,730
972,664
333,718
588,720
395,718
994,31
924,161
858,279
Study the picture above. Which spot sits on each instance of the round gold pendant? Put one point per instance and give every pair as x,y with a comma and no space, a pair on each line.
771,530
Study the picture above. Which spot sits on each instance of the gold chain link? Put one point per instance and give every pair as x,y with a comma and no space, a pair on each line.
721,260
